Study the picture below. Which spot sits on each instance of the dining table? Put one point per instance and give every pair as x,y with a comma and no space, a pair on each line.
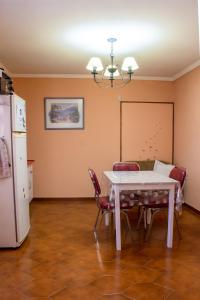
141,181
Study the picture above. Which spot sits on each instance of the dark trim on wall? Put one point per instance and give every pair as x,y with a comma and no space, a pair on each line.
173,116
63,199
196,211
121,130
150,102
92,199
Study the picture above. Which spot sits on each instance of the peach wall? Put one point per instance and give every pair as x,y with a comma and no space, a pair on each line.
187,132
62,157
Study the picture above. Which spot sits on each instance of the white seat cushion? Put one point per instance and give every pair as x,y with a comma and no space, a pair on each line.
162,168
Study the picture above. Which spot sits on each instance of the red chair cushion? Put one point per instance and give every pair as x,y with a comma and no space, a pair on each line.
126,166
178,174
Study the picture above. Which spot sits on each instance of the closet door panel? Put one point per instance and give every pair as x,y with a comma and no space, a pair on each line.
146,131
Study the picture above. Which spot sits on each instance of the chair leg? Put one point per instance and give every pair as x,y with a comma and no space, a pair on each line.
112,224
153,213
95,224
112,220
103,214
178,226
139,211
128,223
149,229
145,217
140,217
96,221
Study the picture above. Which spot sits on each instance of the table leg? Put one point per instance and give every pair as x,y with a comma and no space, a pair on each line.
117,218
148,216
107,221
170,218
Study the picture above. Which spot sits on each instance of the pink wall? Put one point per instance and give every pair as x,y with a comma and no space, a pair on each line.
187,132
62,157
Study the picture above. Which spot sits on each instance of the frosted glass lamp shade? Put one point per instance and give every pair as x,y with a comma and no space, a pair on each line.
129,64
94,64
107,73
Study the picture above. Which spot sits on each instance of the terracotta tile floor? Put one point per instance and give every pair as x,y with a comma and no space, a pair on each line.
60,260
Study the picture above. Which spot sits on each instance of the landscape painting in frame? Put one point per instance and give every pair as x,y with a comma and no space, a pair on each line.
64,113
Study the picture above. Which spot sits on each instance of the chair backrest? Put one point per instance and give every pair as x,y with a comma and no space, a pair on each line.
126,166
95,182
178,174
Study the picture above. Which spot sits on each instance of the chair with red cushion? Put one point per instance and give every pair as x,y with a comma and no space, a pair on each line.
126,166
157,200
106,205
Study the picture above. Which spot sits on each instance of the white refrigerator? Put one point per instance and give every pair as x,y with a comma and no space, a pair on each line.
14,204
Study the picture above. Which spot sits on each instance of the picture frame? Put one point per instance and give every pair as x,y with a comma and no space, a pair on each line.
64,113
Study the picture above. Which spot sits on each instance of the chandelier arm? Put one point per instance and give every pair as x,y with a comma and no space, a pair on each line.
101,81
103,84
112,75
115,82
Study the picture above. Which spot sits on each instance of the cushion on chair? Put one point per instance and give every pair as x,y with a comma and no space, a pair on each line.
145,165
126,166
178,174
105,203
162,168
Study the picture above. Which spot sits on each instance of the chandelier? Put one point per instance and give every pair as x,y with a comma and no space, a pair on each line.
112,75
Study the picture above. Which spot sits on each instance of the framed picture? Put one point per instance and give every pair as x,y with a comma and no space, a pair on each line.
64,113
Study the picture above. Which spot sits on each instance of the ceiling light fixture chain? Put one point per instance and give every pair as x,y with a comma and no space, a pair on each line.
112,75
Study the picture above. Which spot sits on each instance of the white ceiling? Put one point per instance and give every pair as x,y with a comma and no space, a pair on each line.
59,36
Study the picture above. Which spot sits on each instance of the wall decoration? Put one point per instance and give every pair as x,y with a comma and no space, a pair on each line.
64,113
